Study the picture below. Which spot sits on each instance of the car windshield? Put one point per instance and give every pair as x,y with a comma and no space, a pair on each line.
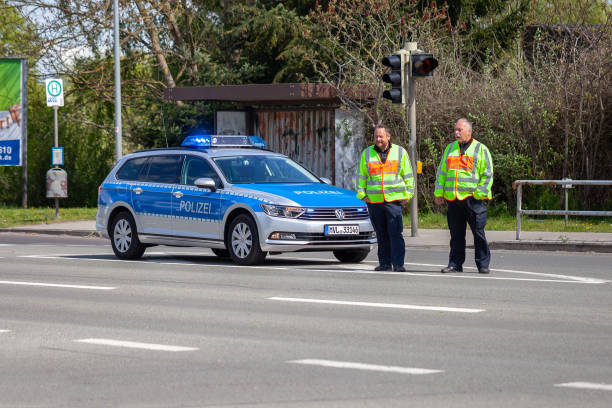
263,169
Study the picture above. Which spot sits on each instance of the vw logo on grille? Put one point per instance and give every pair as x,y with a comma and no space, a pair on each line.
340,213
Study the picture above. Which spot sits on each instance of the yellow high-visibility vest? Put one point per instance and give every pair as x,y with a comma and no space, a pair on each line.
462,176
388,181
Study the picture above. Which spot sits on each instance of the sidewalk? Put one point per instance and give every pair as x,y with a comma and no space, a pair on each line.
530,240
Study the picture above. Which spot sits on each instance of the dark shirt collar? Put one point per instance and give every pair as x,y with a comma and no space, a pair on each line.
466,144
463,147
381,151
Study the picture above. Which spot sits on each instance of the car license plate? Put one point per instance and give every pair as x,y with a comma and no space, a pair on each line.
342,230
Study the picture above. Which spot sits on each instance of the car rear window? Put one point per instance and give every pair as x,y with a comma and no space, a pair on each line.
132,169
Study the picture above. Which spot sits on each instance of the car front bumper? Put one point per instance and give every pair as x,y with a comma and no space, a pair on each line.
310,235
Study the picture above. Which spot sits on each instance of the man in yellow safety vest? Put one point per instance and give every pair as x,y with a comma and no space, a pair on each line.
464,180
384,182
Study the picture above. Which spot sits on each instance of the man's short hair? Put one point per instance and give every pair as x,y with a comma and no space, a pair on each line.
467,122
381,126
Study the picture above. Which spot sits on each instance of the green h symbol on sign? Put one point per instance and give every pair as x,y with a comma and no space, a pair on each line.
54,88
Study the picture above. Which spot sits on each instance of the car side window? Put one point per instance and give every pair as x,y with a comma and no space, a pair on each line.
133,169
195,168
165,169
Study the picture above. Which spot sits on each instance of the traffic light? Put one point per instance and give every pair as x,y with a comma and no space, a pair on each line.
396,77
422,65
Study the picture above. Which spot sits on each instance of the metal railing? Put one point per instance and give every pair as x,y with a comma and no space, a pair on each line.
567,184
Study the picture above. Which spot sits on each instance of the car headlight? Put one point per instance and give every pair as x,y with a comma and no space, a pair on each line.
282,210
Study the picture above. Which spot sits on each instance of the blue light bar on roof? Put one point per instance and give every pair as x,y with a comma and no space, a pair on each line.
204,141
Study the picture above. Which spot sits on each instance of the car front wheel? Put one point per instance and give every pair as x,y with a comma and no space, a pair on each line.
242,241
124,238
351,255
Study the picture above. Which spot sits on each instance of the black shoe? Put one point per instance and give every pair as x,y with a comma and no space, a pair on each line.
399,269
451,269
484,270
383,268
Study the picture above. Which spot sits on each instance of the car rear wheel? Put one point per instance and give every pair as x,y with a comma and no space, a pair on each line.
242,241
221,253
124,238
351,255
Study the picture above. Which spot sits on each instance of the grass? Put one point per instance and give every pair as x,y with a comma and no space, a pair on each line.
12,216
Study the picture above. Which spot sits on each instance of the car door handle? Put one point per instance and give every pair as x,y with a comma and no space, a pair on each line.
137,190
177,194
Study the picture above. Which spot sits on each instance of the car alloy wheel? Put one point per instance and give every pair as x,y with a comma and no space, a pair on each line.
122,235
242,240
124,239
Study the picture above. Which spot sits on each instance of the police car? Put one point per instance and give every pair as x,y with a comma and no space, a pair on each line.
229,194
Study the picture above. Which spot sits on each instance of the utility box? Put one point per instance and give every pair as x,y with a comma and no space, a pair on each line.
57,183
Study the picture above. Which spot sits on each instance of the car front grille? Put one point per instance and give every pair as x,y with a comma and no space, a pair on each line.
329,214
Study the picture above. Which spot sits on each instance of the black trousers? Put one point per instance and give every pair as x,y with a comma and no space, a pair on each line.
388,223
474,213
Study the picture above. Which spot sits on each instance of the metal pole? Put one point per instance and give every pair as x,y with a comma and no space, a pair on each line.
24,126
118,137
565,188
519,192
414,203
56,144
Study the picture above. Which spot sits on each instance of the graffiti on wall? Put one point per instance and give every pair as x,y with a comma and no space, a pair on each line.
306,136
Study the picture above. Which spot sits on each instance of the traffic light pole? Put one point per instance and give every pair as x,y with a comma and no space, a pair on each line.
412,147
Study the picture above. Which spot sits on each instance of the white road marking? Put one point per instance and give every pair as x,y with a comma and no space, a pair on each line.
5,331
557,278
137,345
57,285
369,367
587,386
385,305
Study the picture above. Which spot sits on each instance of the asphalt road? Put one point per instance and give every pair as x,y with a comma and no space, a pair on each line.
181,328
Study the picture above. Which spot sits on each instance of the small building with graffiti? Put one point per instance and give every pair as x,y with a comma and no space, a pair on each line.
306,122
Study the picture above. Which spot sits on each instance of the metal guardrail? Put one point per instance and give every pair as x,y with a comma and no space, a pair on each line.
567,184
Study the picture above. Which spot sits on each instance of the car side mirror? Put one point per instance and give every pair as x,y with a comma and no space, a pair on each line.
205,182
325,180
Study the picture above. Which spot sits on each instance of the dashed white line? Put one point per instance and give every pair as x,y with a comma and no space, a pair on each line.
587,386
368,367
5,331
137,345
384,305
56,285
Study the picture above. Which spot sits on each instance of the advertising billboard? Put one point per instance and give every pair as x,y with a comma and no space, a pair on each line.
12,131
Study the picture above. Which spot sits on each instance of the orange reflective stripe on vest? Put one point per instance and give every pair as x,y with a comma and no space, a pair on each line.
376,168
459,163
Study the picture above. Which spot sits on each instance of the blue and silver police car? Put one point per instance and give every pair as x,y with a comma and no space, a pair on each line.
229,194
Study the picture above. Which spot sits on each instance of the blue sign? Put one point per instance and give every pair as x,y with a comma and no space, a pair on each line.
10,152
57,156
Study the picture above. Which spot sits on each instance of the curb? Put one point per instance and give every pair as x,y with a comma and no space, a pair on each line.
74,233
568,246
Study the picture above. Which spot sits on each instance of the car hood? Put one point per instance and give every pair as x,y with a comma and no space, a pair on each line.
303,195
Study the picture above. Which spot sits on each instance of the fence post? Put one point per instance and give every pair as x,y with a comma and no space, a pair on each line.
519,192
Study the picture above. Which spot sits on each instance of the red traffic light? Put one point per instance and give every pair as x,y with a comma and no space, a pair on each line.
423,64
